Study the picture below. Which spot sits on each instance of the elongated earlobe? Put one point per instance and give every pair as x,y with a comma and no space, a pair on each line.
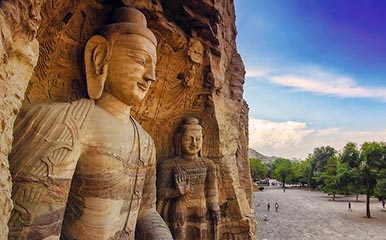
177,142
95,58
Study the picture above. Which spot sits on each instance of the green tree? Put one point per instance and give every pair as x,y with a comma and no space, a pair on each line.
329,177
258,169
321,155
349,176
350,179
300,171
350,155
282,170
372,160
380,189
319,159
310,178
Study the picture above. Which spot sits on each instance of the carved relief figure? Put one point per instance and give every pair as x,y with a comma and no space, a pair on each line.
187,187
86,169
195,53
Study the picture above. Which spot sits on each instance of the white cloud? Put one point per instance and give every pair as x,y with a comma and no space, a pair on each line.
276,135
338,86
294,139
327,132
256,73
317,80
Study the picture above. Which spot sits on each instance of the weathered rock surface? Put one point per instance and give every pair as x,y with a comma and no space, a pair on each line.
18,56
199,73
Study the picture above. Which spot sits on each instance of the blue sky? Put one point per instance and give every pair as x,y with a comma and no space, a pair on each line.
316,73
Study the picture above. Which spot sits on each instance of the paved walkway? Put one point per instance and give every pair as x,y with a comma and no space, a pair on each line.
305,215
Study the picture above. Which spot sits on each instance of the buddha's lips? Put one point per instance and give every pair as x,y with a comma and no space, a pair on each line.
143,86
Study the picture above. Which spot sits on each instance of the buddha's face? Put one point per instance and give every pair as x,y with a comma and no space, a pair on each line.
191,141
131,68
195,51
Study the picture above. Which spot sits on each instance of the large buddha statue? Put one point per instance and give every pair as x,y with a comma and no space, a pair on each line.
86,169
187,187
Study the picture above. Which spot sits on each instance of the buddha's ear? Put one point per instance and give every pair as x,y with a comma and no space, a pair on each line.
177,143
95,59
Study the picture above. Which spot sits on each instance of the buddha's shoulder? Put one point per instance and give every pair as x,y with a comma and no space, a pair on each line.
76,107
142,131
60,111
171,161
100,118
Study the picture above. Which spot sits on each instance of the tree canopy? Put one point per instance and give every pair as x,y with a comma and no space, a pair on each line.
258,169
282,170
372,159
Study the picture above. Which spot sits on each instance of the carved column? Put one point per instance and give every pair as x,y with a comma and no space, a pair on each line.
19,50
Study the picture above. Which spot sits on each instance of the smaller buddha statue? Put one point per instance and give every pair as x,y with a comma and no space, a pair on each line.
187,187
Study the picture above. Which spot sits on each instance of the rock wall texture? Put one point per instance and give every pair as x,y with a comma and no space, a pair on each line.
199,73
19,49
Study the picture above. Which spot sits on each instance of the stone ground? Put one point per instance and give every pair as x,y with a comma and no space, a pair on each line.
305,215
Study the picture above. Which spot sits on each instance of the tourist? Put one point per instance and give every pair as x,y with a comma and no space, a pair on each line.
276,206
268,206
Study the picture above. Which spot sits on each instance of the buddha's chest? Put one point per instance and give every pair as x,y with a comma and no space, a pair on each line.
104,173
195,171
111,163
110,143
197,176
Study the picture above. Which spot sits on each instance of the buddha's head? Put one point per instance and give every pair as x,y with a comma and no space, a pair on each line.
189,138
195,51
120,59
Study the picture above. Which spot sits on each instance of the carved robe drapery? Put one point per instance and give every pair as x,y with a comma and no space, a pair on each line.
193,206
103,184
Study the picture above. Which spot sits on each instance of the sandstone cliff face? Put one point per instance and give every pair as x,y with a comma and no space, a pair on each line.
199,73
18,56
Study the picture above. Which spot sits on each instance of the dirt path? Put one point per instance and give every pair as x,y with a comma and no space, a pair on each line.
305,215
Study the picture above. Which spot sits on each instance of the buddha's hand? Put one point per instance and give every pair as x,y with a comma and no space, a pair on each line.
182,183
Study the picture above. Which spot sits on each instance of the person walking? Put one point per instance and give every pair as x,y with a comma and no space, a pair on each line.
349,207
383,203
268,206
276,206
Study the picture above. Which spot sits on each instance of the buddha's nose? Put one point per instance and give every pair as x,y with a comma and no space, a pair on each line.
149,76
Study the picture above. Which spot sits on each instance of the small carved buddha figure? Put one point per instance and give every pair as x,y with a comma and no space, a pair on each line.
187,186
195,54
86,169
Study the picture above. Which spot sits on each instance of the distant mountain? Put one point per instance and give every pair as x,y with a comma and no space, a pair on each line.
252,153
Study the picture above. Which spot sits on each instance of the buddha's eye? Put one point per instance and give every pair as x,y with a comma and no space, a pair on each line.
139,59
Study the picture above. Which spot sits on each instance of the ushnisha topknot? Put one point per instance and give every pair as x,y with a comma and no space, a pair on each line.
127,20
190,122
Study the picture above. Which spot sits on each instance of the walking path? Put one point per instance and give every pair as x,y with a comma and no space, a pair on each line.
305,215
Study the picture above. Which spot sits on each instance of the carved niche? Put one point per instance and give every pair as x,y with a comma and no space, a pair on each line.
195,54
